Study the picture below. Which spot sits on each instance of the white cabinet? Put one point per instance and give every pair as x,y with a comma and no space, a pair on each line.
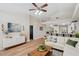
0,44
7,42
20,39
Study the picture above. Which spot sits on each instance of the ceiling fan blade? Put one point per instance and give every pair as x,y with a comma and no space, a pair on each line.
44,5
43,10
75,21
34,4
31,9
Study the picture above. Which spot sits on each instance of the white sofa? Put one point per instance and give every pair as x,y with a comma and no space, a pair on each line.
61,45
58,45
69,50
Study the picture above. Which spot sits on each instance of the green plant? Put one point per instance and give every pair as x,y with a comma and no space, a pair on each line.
77,35
41,47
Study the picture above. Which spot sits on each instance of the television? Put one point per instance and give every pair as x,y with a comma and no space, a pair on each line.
12,27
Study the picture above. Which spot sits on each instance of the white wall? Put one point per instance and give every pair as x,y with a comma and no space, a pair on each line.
36,24
22,19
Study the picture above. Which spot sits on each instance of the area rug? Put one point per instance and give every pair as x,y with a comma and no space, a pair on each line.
56,52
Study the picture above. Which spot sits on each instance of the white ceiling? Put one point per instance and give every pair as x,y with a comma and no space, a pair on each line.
15,7
61,10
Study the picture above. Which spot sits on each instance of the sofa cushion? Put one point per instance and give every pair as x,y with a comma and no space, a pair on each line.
52,39
71,42
60,40
55,45
70,51
77,45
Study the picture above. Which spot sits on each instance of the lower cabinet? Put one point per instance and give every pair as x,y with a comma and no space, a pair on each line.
8,42
1,46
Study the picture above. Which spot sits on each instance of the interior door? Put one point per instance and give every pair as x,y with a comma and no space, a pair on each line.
31,32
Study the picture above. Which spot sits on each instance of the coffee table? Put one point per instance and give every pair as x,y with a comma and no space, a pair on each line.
40,53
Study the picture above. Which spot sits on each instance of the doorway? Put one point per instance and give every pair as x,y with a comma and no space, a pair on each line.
31,32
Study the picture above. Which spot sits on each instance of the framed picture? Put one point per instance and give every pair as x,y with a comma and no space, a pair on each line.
41,28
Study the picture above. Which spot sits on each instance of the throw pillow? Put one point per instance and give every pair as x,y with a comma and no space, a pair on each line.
55,40
71,42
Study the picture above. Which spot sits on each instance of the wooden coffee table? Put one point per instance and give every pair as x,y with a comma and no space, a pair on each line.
40,53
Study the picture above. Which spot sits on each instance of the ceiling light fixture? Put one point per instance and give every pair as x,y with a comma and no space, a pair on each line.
38,12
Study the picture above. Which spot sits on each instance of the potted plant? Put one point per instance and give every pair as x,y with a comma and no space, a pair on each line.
77,35
42,47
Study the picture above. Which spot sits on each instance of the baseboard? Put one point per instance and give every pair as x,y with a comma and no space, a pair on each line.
14,46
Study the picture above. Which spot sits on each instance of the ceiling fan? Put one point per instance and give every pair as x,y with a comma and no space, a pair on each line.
75,21
39,8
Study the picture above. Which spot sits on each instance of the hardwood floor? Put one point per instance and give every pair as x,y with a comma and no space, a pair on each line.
22,50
